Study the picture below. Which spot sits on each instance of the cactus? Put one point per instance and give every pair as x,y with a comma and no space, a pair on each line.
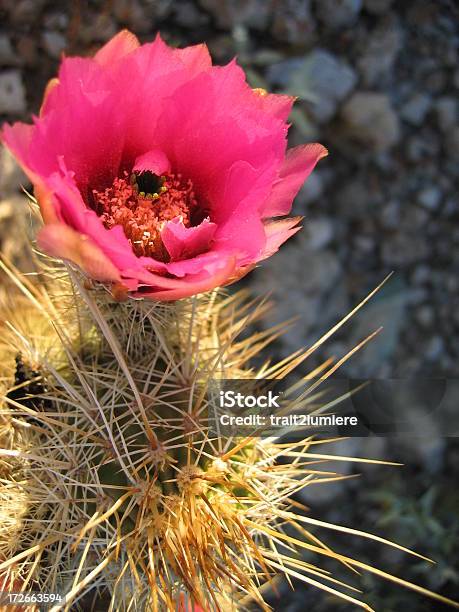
112,485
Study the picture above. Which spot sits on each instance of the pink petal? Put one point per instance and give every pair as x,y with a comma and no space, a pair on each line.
117,47
184,242
193,284
155,161
277,232
61,241
278,105
17,138
195,57
298,165
213,121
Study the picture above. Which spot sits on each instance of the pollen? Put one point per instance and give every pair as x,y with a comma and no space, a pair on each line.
142,204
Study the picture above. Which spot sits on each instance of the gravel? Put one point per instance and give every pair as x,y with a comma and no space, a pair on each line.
369,118
12,93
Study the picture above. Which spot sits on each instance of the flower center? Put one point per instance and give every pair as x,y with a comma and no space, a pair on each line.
142,204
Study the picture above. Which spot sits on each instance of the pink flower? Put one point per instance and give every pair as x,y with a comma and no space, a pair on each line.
158,172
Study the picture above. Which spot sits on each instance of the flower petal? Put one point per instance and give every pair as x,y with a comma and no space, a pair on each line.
193,284
154,160
59,240
117,47
298,165
185,242
277,232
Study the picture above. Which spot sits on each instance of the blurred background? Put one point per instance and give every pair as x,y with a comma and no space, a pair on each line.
377,83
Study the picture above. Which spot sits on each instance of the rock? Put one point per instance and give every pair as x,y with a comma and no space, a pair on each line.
446,111
12,93
319,233
26,11
280,73
435,82
369,118
377,7
421,275
400,250
137,17
11,175
435,348
417,148
452,142
329,79
352,199
425,315
54,43
430,197
103,27
381,51
415,110
7,55
307,277
27,51
293,22
390,215
320,78
312,189
337,14
189,16
56,21
230,13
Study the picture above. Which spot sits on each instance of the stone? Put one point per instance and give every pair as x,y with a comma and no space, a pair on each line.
12,93
27,50
417,148
7,55
101,28
230,13
329,80
390,215
369,118
138,18
352,199
319,233
54,43
446,111
293,22
312,189
416,108
56,21
425,315
26,11
377,7
280,73
401,249
382,48
452,142
435,348
306,277
430,197
189,16
337,14
421,275
11,175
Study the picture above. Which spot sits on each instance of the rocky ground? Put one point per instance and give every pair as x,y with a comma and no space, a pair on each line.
377,83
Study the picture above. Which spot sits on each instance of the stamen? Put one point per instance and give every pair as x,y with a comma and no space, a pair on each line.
143,213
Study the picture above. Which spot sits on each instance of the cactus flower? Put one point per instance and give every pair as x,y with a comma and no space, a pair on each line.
159,173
